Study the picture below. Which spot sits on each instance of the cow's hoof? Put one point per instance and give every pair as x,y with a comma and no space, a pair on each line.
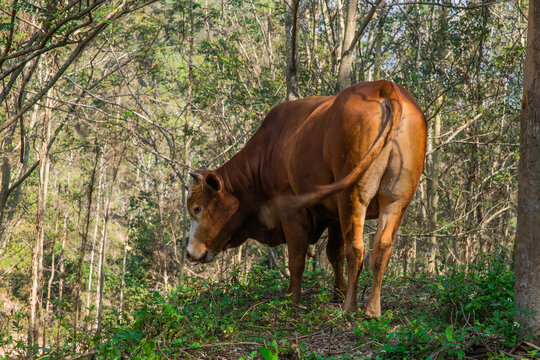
350,307
373,308
372,314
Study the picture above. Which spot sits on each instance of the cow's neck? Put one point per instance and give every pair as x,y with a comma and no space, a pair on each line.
241,178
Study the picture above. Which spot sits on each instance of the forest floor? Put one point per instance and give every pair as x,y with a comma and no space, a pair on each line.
459,315
319,329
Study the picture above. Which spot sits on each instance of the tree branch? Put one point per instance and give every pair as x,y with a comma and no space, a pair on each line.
446,4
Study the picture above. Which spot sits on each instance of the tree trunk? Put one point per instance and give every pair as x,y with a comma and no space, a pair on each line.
102,250
291,33
6,146
37,253
164,254
474,206
527,257
93,251
46,181
123,282
183,241
433,195
84,241
345,66
101,263
434,162
61,262
350,38
378,49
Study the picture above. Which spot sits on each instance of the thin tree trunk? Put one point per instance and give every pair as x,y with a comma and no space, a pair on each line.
378,48
92,252
61,263
84,241
183,242
434,162
163,241
345,65
37,253
291,34
246,259
473,205
123,282
102,255
7,146
341,17
433,195
101,265
51,277
350,38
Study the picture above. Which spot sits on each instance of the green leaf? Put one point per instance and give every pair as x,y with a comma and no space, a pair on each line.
448,333
267,354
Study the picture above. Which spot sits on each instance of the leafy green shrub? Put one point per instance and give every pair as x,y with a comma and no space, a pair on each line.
480,298
467,308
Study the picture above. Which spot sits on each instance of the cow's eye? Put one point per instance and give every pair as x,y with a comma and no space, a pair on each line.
196,210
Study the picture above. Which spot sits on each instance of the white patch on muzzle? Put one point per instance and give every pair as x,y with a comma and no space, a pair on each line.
197,250
192,231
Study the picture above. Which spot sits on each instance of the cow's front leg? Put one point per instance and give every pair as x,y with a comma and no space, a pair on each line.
297,244
335,251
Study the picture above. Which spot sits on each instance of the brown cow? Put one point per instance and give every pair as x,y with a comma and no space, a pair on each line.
317,163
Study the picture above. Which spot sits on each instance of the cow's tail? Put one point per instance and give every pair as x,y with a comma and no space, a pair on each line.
283,207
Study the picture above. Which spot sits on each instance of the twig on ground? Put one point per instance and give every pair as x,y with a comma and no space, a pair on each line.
532,345
251,307
230,343
80,356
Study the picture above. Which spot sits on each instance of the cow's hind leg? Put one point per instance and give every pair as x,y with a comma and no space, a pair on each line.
352,213
335,250
296,235
390,218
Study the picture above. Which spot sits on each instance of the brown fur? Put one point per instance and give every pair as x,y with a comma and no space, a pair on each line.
318,162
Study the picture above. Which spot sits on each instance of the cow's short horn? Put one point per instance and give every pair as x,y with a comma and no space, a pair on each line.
196,176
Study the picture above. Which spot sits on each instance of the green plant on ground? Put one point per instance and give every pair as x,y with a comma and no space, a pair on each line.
251,317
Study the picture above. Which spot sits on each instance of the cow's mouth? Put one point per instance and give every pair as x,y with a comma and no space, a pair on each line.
206,257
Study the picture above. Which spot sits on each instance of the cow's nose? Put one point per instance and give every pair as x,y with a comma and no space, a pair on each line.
200,259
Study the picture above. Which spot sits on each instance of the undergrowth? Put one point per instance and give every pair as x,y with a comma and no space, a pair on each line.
461,314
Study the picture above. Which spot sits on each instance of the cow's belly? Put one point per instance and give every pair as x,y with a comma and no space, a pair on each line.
328,209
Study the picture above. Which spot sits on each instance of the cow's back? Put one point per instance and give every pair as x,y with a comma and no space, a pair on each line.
320,140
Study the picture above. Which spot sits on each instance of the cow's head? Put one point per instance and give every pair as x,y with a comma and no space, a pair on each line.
211,209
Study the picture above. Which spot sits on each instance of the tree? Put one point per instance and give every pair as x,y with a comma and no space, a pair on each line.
350,39
527,285
291,29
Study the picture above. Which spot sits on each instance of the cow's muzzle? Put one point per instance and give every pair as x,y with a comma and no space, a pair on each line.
206,257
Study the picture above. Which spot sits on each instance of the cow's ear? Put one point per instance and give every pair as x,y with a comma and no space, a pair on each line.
196,177
213,182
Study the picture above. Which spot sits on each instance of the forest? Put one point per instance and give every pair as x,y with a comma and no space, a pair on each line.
106,106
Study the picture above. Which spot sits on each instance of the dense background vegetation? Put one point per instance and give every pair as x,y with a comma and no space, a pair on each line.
106,106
